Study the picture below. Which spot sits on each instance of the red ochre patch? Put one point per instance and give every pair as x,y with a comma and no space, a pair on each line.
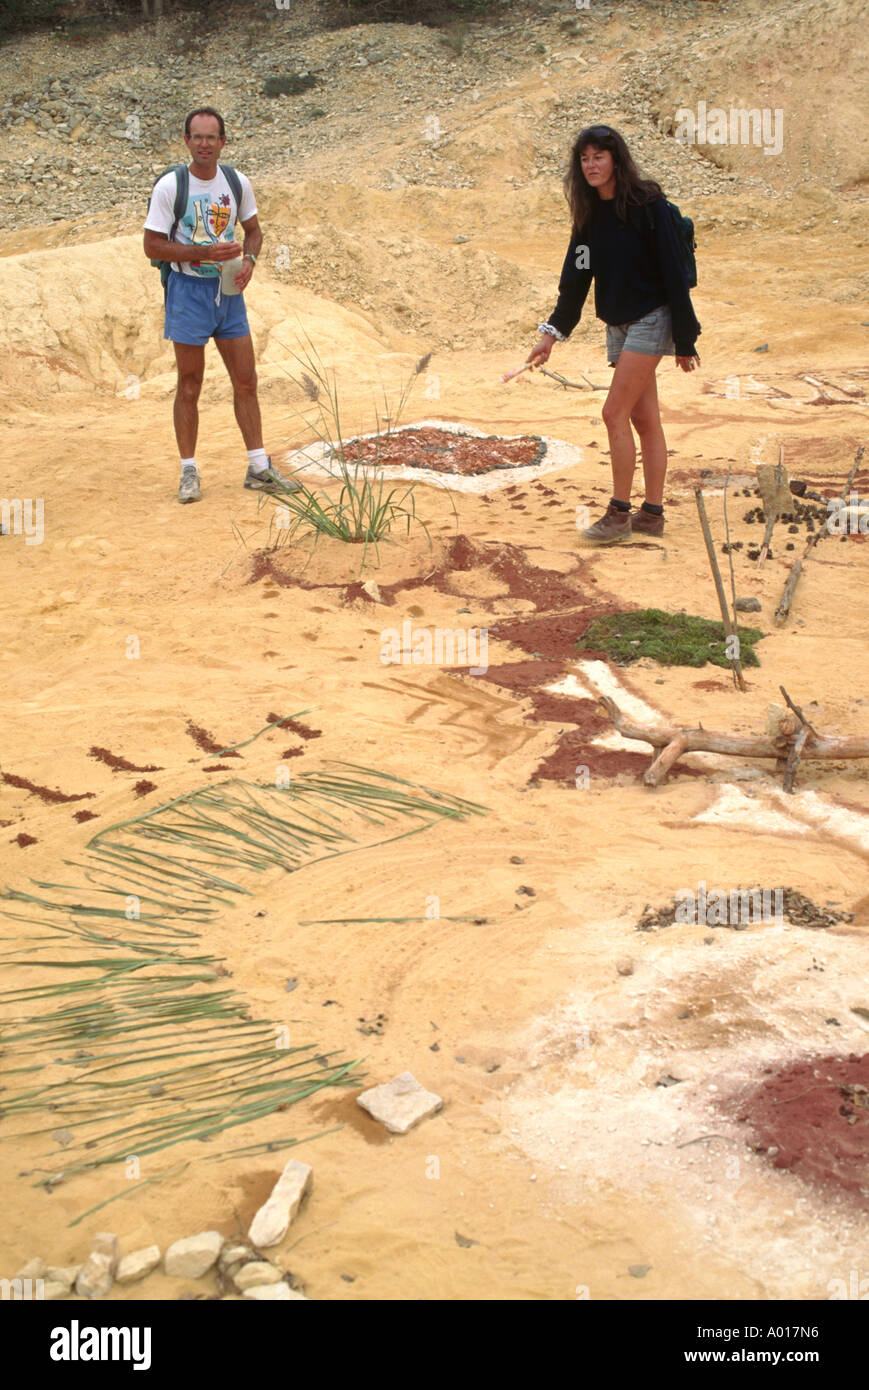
812,1118
442,451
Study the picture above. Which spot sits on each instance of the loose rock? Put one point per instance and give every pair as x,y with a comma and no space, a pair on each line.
234,1254
266,1293
138,1264
55,1288
104,1243
401,1103
95,1277
62,1274
256,1274
193,1256
34,1269
272,1221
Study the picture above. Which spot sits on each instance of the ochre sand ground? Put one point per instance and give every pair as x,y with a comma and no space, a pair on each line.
555,1151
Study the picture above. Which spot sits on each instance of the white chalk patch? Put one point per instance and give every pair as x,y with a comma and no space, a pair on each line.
571,685
317,462
819,812
733,809
603,681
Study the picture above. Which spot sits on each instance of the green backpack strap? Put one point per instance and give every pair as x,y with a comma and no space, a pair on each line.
182,192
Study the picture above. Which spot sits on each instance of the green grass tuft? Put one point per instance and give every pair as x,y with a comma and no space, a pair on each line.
672,639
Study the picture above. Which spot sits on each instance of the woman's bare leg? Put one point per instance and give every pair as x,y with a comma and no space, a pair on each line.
646,420
633,374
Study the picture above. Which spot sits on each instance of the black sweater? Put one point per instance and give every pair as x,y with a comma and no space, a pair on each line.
634,272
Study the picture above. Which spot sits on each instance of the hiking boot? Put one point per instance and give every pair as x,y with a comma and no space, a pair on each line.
270,480
613,527
188,488
646,523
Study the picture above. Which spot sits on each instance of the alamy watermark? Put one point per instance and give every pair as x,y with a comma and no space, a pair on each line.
22,1290
848,518
738,126
728,907
420,646
854,1288
23,516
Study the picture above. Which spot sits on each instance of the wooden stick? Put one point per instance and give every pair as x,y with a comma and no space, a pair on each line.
729,547
797,711
675,741
729,629
562,381
794,758
773,516
508,376
784,606
658,770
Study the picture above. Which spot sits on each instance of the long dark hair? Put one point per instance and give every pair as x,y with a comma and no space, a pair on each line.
582,199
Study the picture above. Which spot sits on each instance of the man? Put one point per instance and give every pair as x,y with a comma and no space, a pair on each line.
197,308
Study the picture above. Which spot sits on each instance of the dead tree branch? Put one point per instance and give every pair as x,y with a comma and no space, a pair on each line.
784,606
730,628
790,742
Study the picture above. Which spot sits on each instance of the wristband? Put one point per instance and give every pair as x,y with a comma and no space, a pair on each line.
249,256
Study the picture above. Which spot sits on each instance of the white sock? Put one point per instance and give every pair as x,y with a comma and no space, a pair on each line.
258,460
189,463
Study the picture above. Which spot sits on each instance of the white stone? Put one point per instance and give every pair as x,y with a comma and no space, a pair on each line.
55,1288
193,1256
137,1264
272,1221
105,1243
34,1269
255,1273
400,1104
95,1277
272,1292
232,1254
372,589
62,1274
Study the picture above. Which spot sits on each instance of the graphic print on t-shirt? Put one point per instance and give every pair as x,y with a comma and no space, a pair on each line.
204,222
211,215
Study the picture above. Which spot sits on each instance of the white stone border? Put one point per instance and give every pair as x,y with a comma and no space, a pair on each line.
313,462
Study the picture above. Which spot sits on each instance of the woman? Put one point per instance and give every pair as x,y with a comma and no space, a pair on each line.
626,239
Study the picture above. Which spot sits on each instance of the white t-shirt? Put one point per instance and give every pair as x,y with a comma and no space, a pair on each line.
210,216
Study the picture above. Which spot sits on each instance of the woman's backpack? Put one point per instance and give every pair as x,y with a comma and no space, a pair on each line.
643,218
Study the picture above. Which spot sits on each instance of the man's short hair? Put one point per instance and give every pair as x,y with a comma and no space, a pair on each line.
206,111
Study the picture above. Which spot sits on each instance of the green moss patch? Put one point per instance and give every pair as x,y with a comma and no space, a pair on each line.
672,639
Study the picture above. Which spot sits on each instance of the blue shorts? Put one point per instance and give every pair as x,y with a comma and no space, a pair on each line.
651,335
195,311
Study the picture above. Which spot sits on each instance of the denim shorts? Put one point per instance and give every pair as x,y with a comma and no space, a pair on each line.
652,335
197,311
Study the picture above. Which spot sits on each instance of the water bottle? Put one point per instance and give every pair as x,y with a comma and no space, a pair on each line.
228,272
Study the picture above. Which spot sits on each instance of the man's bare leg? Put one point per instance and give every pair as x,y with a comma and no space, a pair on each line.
237,354
190,360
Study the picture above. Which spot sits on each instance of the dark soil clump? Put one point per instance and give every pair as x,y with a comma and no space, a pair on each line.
118,764
812,1118
44,793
